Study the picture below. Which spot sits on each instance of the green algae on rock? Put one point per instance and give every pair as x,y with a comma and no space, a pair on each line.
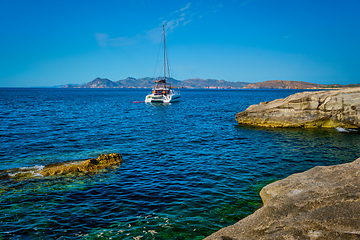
84,166
326,109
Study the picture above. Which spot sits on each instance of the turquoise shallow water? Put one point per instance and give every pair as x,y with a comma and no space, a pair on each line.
188,169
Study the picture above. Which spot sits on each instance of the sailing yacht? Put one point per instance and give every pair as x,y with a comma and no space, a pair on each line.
162,92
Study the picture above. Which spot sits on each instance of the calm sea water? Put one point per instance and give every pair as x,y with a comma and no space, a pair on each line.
188,169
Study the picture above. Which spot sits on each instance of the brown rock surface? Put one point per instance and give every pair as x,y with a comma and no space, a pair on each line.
90,165
321,203
307,109
84,166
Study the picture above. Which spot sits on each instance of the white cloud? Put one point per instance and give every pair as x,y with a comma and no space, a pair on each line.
105,40
101,38
186,7
183,18
186,22
153,34
182,9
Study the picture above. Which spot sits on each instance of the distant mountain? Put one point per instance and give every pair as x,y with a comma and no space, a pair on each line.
101,83
342,86
280,84
71,86
96,83
148,82
210,83
131,82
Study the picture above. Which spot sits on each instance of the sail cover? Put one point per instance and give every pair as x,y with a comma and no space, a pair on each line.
160,81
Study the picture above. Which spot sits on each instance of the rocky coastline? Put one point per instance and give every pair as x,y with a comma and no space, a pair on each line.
321,203
326,109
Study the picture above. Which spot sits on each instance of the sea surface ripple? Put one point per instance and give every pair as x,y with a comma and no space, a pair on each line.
188,168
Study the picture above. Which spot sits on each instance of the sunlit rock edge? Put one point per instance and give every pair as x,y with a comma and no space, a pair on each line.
327,109
74,167
321,203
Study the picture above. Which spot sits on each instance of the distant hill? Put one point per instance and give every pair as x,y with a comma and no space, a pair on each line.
280,84
101,83
96,83
210,83
342,86
148,82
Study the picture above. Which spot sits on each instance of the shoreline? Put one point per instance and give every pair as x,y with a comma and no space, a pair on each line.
320,203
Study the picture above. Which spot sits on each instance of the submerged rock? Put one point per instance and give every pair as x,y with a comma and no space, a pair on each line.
90,165
84,166
327,109
321,203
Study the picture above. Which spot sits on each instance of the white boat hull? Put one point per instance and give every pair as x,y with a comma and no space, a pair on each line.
168,98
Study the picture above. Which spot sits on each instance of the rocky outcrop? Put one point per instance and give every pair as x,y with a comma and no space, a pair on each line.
308,110
321,203
90,165
84,166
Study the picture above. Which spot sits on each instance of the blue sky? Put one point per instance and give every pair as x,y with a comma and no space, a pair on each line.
47,43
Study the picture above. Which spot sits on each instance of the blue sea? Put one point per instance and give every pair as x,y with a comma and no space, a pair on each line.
188,168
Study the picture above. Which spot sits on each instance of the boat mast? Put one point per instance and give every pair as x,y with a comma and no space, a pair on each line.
164,56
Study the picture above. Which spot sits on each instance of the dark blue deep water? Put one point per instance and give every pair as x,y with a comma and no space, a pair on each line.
188,169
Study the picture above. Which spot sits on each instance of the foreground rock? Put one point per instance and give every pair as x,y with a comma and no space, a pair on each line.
84,166
321,203
327,109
